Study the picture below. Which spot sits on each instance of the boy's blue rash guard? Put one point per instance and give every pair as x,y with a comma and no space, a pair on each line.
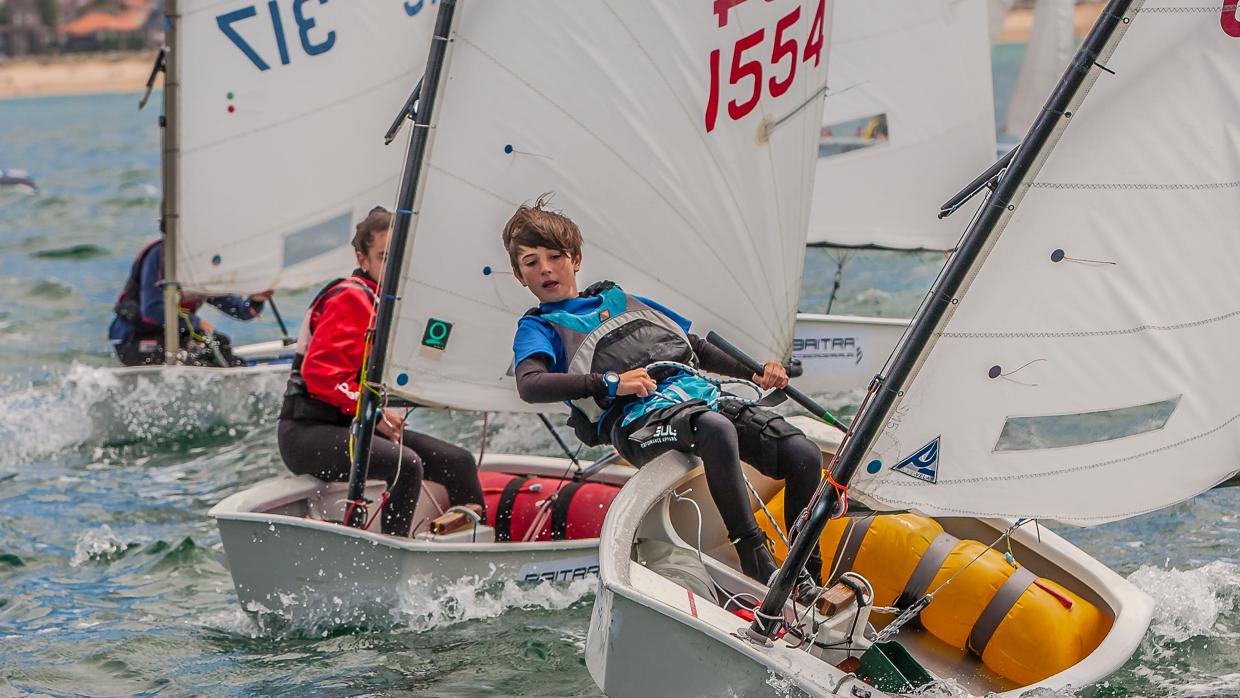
536,336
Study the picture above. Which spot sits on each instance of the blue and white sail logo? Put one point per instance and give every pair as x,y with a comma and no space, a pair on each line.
923,465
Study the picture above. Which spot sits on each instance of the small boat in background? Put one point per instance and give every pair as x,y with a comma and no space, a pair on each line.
919,74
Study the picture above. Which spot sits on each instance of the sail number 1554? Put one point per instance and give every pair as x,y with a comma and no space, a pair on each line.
748,69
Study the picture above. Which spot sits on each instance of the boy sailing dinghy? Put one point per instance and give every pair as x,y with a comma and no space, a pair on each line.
1075,351
695,189
923,68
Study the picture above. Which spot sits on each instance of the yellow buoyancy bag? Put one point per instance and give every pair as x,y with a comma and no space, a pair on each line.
1024,628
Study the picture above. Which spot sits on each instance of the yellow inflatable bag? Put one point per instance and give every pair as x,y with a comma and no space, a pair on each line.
883,549
1024,628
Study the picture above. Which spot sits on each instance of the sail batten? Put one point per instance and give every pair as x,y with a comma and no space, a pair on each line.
1096,328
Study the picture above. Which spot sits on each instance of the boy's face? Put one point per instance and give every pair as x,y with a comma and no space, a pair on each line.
550,274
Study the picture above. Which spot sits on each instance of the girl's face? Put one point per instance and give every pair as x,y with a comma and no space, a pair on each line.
374,261
550,274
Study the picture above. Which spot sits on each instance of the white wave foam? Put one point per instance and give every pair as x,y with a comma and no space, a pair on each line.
89,406
417,606
424,605
1190,603
97,544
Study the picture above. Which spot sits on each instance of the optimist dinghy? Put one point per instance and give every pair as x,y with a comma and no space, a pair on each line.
1074,362
616,107
245,115
924,67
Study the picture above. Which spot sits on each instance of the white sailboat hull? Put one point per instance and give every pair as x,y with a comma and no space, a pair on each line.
284,559
646,630
842,352
142,402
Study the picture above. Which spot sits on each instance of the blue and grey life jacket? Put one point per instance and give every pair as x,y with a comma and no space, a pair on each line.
622,334
128,306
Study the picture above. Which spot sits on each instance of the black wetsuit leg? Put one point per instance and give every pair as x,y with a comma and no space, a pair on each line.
321,449
715,442
799,464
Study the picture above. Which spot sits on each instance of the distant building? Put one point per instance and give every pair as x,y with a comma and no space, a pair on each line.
26,26
102,25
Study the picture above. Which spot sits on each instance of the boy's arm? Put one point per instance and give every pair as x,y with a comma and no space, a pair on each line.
535,383
715,360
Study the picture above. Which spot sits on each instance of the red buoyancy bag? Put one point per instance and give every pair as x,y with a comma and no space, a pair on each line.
515,501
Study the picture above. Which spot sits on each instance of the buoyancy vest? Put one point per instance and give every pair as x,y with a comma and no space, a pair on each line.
298,402
623,334
128,305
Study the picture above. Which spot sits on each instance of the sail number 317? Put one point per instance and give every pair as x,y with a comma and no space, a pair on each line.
749,75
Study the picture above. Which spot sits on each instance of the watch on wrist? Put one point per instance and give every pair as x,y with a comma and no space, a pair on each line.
611,379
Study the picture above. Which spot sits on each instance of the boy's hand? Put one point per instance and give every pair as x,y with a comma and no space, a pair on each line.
773,376
636,382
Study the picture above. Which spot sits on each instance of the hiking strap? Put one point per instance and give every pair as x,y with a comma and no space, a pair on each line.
559,510
503,510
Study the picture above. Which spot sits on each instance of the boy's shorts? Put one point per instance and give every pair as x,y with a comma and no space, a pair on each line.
758,434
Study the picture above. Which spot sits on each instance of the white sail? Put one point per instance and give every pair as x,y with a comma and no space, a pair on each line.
609,104
302,93
1107,311
1051,45
925,66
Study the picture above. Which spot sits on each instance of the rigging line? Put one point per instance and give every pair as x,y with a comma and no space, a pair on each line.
1121,186
737,208
769,128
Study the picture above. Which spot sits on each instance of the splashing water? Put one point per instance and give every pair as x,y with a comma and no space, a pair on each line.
1190,603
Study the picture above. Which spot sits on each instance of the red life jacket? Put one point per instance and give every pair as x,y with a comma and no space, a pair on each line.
299,400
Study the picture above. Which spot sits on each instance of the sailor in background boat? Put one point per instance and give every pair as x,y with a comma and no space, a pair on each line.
137,331
591,350
323,391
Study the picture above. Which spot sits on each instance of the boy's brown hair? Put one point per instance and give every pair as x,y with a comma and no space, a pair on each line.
536,226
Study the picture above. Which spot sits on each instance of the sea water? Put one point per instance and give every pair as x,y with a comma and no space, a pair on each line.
111,579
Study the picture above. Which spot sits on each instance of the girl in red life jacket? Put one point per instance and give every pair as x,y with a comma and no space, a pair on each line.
321,398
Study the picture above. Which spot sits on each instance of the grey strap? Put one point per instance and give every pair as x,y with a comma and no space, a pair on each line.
926,568
998,608
846,553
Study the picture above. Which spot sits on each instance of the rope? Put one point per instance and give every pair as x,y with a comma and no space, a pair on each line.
769,516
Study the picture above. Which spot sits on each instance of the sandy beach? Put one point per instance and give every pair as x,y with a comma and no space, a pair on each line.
75,74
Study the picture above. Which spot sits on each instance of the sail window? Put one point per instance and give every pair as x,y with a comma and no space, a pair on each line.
314,240
1059,430
854,134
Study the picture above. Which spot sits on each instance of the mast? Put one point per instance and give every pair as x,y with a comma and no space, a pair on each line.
363,427
171,203
886,389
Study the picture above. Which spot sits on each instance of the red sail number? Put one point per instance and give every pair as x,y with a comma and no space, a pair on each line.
1230,19
746,71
